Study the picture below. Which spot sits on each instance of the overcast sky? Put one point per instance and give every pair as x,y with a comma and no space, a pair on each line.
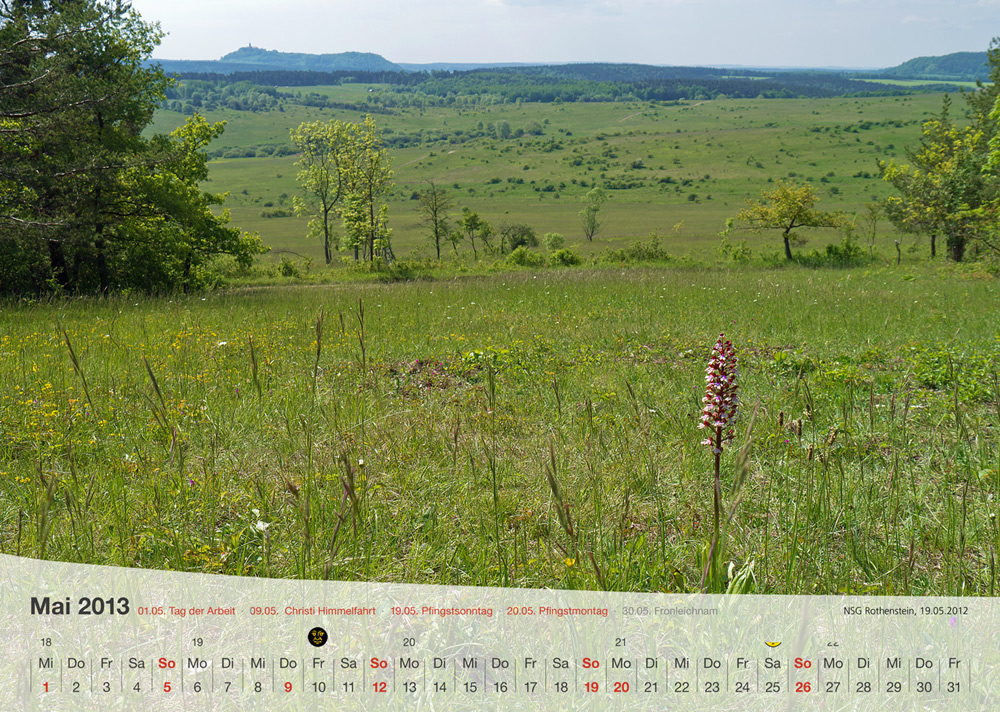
804,33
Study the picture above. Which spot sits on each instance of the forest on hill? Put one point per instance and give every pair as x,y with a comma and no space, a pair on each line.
959,66
267,90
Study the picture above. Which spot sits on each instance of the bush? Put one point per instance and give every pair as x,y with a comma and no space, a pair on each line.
847,254
553,241
523,257
639,251
738,252
514,235
287,268
396,271
564,258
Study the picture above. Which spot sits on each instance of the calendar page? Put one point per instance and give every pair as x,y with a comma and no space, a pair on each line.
97,638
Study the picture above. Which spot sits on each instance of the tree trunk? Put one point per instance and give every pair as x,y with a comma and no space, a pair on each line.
102,261
326,237
956,247
788,247
933,245
57,263
102,265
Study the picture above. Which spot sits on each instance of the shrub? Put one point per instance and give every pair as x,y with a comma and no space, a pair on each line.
287,268
553,241
564,258
639,251
523,257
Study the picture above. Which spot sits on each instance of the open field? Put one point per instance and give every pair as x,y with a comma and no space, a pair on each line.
921,82
276,432
689,165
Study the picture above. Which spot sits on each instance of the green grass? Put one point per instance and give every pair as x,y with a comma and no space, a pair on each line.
717,154
923,82
414,445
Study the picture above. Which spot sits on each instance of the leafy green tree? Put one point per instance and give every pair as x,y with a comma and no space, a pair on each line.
345,172
513,235
553,241
474,228
74,98
981,102
455,238
368,180
595,199
945,188
323,166
172,231
434,206
787,208
950,186
83,192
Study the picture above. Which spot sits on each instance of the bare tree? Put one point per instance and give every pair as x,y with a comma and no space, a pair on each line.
434,206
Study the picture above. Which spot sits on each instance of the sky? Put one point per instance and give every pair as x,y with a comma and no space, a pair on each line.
762,33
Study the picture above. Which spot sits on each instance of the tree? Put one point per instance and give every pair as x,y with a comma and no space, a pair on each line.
82,191
514,235
787,208
368,179
434,206
345,172
553,241
322,162
950,186
172,231
943,190
595,199
980,103
473,228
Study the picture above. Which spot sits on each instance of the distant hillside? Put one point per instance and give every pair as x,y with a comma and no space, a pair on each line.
960,66
249,59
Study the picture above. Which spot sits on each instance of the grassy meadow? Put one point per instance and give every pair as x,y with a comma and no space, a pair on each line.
676,169
527,428
502,425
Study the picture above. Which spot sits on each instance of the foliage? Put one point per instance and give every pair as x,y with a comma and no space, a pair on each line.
323,159
564,257
474,228
514,235
523,257
595,199
368,179
639,251
172,231
434,206
788,207
942,192
966,66
553,241
344,164
952,187
87,203
739,252
608,82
